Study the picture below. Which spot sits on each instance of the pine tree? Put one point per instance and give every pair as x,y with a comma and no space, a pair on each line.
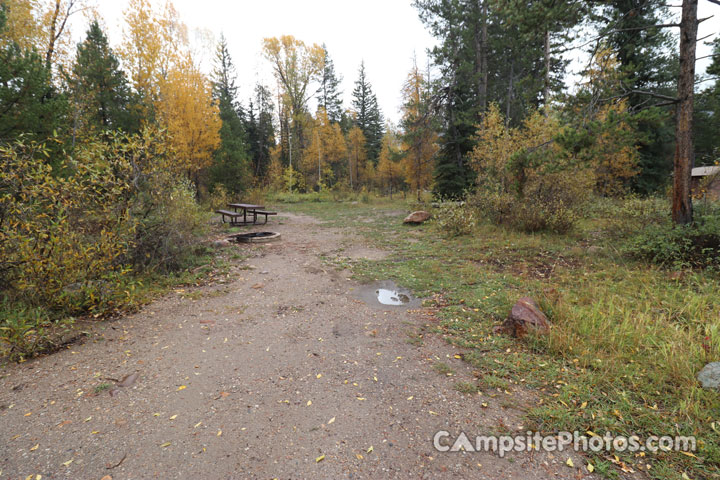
100,90
231,164
329,98
707,114
647,61
368,115
28,102
489,52
260,130
419,133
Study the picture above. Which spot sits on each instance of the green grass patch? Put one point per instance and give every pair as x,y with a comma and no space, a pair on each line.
627,341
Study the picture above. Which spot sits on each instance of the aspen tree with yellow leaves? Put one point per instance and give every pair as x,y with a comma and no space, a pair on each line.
44,26
173,88
152,43
296,66
323,158
192,117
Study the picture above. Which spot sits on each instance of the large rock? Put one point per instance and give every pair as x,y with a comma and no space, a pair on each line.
417,217
709,376
524,317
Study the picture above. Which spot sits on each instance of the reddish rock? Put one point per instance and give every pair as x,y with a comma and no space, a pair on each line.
417,217
524,317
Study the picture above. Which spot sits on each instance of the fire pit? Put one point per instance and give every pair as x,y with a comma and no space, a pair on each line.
255,237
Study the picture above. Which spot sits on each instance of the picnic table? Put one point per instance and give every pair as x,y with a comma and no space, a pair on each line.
245,210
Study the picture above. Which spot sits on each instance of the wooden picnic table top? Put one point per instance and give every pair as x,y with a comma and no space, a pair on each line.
245,206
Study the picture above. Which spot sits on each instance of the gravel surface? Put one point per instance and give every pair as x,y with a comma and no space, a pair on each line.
282,372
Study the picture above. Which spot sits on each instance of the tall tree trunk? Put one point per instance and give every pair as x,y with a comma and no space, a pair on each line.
546,85
52,36
682,211
481,70
509,93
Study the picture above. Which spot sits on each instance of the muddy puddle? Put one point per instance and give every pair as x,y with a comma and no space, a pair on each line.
387,294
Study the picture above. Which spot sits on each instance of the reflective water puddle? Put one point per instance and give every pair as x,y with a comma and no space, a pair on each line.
387,293
391,297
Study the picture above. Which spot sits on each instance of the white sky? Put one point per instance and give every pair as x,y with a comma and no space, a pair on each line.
384,33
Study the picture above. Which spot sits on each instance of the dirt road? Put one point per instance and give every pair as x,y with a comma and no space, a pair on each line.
282,372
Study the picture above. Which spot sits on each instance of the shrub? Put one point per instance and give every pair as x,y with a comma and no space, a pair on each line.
456,219
72,234
24,331
219,197
549,202
526,180
681,246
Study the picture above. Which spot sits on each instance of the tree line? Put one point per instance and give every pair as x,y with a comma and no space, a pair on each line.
509,55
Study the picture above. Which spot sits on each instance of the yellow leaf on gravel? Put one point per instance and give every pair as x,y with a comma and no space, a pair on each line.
590,467
411,397
359,457
173,417
309,403
181,387
331,420
320,459
569,463
32,449
361,398
319,375
166,444
197,424
67,464
219,433
369,450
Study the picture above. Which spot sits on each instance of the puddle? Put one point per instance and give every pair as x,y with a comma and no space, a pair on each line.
391,297
387,294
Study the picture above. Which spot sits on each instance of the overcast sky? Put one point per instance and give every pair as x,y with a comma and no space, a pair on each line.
384,33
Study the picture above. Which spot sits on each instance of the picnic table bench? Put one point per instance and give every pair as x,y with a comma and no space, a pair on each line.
246,210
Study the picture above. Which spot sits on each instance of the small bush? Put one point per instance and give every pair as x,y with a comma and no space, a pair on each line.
550,202
23,331
681,246
164,235
456,220
219,197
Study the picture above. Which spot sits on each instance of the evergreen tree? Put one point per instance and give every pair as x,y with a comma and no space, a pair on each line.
100,91
707,115
489,52
368,115
649,65
261,136
329,97
231,166
28,102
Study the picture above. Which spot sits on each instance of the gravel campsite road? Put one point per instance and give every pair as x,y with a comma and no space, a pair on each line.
281,371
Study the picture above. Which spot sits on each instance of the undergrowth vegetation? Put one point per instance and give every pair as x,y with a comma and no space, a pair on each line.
78,232
628,335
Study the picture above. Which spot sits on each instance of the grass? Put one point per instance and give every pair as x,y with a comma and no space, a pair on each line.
627,341
101,388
